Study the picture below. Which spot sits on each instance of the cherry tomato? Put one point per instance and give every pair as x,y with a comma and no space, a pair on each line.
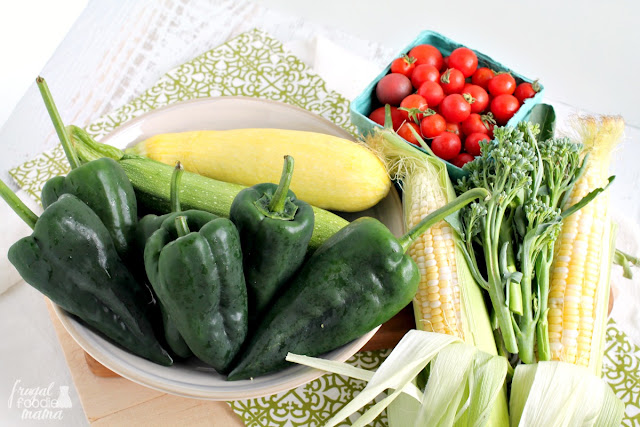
461,159
427,54
393,88
454,128
412,107
445,63
481,77
452,81
476,123
479,95
424,73
405,132
432,92
432,125
502,84
454,108
447,145
526,90
377,116
504,107
403,65
472,143
465,60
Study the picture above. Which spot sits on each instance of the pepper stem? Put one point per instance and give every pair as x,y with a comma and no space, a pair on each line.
69,151
182,227
176,177
18,205
280,196
440,214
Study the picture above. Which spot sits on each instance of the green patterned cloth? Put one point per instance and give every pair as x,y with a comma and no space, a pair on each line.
254,64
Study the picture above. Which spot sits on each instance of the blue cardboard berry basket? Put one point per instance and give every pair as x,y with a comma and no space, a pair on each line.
366,102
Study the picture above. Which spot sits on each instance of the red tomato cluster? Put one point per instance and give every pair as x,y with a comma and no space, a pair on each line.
448,100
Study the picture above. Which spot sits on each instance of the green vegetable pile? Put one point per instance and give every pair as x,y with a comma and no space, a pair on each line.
236,293
534,183
509,237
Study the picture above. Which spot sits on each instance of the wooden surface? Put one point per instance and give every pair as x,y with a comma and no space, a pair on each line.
115,401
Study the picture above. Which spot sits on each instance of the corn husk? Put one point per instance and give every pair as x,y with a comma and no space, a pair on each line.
559,394
464,386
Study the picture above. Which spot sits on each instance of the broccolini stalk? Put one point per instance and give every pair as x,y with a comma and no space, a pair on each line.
543,227
562,168
539,224
505,170
517,226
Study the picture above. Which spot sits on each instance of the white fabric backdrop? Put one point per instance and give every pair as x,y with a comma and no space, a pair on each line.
114,52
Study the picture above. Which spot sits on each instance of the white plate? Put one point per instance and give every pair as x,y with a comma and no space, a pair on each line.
193,378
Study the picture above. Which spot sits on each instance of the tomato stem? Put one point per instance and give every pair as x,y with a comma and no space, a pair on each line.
536,86
445,78
467,97
409,59
413,113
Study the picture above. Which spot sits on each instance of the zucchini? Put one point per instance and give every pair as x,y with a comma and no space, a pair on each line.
151,181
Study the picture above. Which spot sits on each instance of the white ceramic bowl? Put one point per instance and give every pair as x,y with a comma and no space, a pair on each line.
193,378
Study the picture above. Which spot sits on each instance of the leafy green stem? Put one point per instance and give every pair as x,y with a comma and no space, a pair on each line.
174,191
526,337
543,266
496,289
18,206
182,227
280,196
440,214
67,146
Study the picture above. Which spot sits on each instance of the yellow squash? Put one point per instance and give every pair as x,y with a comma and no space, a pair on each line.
331,172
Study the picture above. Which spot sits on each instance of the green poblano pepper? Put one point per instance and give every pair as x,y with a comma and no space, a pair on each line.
102,184
359,278
106,189
71,259
198,278
148,225
275,229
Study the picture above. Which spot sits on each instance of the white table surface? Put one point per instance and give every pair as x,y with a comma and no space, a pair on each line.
117,49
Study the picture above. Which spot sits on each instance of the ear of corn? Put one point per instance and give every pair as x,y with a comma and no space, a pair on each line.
448,301
331,172
579,279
